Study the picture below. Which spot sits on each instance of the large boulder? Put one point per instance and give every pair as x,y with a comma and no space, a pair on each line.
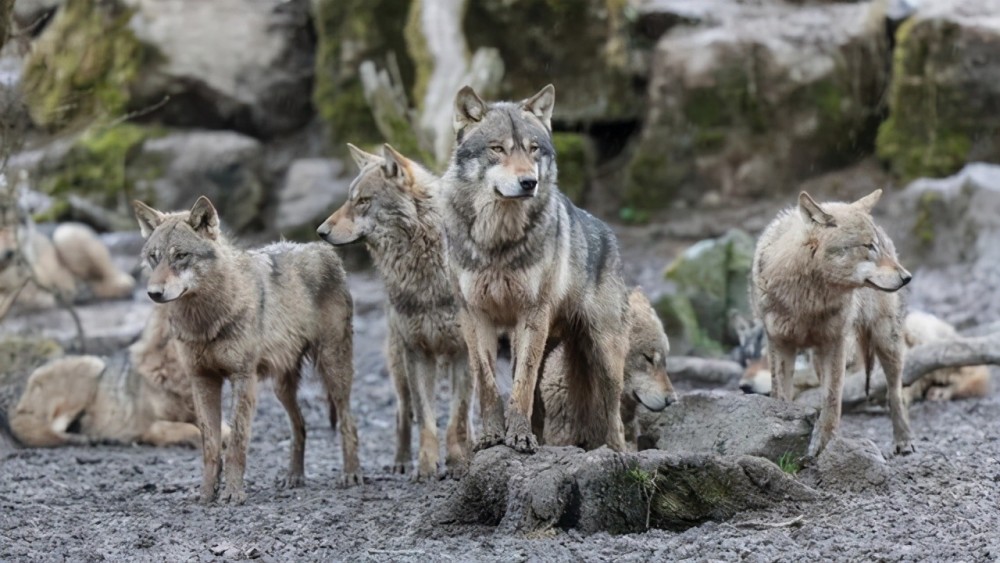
944,103
247,66
582,47
605,491
729,424
757,103
312,190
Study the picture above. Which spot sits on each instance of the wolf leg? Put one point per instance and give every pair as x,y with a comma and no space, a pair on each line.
608,358
528,343
335,365
481,340
286,388
244,405
458,438
207,394
832,360
404,408
426,372
782,359
890,355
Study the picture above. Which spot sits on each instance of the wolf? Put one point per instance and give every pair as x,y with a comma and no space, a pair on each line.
646,383
820,276
72,264
918,328
392,209
524,260
243,315
141,395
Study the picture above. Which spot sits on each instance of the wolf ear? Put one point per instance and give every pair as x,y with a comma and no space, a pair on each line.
469,108
393,163
361,158
813,213
541,105
204,219
148,218
868,202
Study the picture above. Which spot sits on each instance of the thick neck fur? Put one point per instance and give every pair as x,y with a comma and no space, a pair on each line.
221,300
409,247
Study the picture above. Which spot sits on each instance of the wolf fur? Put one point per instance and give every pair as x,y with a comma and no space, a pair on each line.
524,260
820,276
72,263
646,383
242,315
391,208
919,328
140,396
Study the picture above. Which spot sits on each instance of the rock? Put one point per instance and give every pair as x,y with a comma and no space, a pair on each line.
713,275
312,190
849,465
729,424
349,32
945,87
582,47
31,13
758,102
681,324
605,491
173,170
108,326
577,158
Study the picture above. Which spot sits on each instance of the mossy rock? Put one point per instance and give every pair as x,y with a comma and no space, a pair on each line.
686,335
580,46
349,32
943,100
713,275
575,159
6,8
85,65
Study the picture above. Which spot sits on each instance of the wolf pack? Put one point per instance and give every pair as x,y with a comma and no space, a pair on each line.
488,259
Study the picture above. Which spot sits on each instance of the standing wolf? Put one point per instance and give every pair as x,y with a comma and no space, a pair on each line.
819,277
391,208
241,315
524,260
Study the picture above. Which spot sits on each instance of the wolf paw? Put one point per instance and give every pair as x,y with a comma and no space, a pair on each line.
400,468
351,479
524,443
292,481
487,441
905,448
233,495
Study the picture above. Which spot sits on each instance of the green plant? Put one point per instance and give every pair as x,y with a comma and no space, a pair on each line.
789,463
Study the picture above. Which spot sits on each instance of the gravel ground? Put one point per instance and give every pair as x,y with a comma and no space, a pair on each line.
137,502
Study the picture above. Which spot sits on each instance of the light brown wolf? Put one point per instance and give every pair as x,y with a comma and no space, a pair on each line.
72,263
646,383
526,261
918,328
822,275
391,208
140,396
242,315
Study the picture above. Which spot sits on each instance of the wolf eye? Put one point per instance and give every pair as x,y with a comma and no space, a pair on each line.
181,256
154,258
534,149
497,149
870,246
648,358
363,201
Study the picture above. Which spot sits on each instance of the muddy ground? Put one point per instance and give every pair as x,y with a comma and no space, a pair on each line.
138,502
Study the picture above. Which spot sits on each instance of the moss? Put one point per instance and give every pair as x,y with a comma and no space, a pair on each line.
575,155
416,44
19,355
681,323
95,167
349,32
84,65
923,227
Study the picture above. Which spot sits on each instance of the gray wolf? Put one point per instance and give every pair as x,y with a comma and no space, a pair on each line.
73,263
918,328
243,315
646,383
140,396
524,260
391,208
822,275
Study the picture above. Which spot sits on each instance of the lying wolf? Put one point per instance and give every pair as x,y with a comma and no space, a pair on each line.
242,315
73,263
819,277
391,208
139,396
646,384
918,328
525,260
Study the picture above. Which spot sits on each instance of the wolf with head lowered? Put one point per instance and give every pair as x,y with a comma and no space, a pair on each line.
526,262
245,315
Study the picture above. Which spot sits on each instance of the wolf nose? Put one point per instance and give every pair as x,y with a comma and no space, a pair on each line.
155,295
746,388
527,183
906,278
323,231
